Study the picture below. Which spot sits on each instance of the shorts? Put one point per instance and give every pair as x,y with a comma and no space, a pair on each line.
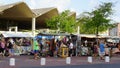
102,53
36,51
71,51
2,50
11,51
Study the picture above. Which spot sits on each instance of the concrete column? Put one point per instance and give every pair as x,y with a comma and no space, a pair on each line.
16,29
33,26
9,29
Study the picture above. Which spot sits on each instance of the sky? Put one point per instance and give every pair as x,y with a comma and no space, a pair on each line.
77,6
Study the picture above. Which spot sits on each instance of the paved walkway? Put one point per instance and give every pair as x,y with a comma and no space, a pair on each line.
28,61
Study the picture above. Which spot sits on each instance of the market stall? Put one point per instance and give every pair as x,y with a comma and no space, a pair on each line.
22,41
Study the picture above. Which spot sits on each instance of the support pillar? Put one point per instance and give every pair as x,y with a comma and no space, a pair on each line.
78,36
9,29
33,26
16,29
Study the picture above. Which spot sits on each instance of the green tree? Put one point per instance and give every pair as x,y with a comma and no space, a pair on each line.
63,22
97,20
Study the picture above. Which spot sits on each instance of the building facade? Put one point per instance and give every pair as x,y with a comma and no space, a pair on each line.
115,31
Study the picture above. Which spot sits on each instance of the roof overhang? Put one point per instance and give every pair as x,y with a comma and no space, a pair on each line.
16,11
21,12
46,14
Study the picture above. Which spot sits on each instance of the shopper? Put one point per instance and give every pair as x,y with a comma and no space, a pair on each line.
102,49
36,48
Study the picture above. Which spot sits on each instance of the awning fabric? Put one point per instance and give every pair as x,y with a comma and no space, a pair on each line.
13,34
53,34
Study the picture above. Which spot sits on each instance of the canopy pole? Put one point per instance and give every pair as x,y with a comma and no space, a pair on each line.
33,26
78,32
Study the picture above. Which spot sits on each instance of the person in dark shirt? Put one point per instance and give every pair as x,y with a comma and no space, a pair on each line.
10,46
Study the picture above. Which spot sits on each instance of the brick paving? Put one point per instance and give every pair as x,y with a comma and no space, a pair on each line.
28,61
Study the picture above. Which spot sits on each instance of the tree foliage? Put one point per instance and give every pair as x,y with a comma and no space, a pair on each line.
97,20
64,22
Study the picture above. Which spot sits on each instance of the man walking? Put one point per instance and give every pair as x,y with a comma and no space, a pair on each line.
102,50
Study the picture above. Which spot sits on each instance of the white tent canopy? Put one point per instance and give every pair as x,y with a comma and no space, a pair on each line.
94,36
16,34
